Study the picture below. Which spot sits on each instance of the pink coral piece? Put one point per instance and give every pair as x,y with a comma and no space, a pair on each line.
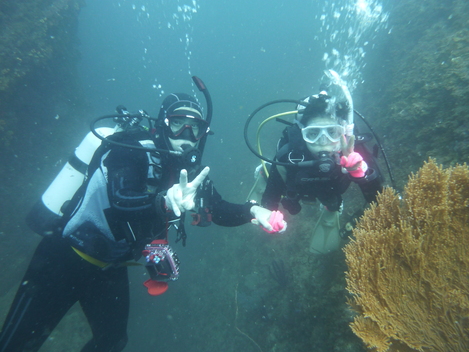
352,160
276,221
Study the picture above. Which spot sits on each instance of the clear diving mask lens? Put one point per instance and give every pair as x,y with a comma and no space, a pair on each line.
187,127
312,134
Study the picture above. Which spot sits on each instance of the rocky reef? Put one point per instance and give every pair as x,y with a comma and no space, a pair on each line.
39,97
38,53
418,84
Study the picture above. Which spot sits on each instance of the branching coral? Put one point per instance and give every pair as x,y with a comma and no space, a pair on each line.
408,265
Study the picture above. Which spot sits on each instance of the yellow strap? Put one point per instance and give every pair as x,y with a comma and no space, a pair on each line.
99,263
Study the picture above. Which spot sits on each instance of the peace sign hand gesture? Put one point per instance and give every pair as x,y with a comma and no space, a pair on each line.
352,161
180,197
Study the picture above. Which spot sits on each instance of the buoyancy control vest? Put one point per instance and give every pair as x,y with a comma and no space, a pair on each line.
308,178
49,215
292,149
324,175
115,232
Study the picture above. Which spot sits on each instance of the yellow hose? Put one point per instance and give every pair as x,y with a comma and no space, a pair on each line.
259,130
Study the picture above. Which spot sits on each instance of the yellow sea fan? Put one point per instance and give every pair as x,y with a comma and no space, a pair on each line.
408,271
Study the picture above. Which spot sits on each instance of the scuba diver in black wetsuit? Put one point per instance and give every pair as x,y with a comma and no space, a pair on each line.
123,210
317,158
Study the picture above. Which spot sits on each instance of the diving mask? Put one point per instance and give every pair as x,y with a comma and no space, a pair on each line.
186,127
333,133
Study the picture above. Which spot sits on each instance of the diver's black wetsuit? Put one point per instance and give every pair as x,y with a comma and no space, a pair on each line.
55,280
307,183
57,277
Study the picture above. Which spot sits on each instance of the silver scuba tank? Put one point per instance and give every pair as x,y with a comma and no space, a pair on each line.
44,217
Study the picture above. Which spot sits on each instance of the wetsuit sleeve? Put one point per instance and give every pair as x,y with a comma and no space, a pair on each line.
228,214
274,190
370,184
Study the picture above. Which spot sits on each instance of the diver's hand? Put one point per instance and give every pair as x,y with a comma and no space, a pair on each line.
180,197
352,161
270,221
346,146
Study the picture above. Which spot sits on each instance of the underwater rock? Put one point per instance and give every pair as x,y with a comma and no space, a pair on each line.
418,82
38,49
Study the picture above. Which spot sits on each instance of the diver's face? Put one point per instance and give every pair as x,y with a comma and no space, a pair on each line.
322,134
176,144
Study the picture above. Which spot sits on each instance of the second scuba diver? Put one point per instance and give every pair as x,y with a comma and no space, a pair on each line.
127,204
317,159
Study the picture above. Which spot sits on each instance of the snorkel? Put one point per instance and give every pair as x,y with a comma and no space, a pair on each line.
335,79
208,101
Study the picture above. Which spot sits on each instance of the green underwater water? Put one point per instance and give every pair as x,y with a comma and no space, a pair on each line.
414,94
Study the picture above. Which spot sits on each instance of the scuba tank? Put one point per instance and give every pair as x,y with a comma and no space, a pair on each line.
44,217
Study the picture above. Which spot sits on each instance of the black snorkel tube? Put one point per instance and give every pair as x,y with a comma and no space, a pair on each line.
208,100
304,163
126,121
